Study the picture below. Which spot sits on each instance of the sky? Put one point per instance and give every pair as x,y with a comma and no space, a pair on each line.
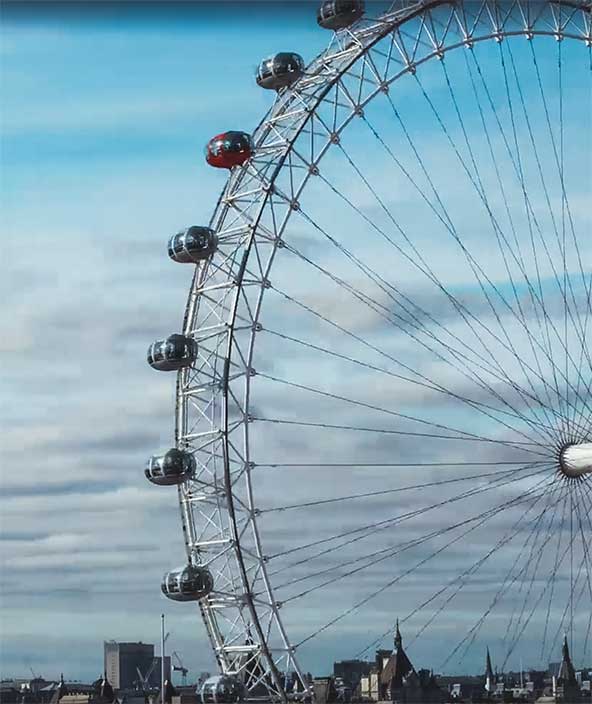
106,109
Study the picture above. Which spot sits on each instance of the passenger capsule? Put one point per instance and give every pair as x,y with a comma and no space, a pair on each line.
229,149
192,245
189,583
174,467
174,353
222,689
280,71
338,14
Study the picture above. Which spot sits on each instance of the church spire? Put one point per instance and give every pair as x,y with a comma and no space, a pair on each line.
489,676
398,667
567,672
398,638
488,667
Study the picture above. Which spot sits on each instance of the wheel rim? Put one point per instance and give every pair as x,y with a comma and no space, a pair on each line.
217,318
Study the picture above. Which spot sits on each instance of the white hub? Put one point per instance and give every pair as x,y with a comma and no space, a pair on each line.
576,460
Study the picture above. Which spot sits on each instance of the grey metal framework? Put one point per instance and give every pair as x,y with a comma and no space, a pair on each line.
218,506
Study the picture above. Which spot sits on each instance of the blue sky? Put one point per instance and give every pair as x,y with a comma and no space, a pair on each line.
106,109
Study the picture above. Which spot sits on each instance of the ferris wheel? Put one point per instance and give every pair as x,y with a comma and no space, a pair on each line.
384,372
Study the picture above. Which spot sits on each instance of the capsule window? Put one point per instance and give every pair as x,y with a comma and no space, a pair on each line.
214,148
189,583
192,245
234,145
174,353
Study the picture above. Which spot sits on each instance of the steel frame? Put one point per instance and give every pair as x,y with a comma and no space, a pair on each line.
218,508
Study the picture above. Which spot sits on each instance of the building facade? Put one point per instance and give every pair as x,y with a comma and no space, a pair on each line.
394,679
350,672
133,665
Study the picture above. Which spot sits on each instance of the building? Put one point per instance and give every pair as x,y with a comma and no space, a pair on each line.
566,686
186,695
489,676
133,665
369,687
397,673
99,692
350,672
324,690
60,691
461,688
394,679
9,694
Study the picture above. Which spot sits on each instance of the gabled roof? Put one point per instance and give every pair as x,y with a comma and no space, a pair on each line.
399,666
397,669
49,687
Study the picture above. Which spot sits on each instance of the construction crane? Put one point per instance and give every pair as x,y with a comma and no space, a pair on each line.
144,679
179,667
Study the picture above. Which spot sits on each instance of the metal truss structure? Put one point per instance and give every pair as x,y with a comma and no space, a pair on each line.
218,506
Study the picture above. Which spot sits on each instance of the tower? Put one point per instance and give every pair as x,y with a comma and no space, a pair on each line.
489,677
567,684
566,672
398,638
398,676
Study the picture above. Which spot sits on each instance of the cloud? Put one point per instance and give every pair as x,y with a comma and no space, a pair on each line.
88,286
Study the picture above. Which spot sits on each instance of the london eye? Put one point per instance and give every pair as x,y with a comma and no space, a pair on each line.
383,403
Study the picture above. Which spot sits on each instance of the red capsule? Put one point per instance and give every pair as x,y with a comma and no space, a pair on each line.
229,149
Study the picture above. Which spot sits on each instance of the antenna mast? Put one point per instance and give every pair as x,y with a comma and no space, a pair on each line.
162,659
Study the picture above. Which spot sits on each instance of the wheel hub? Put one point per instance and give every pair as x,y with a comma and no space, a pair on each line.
575,460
